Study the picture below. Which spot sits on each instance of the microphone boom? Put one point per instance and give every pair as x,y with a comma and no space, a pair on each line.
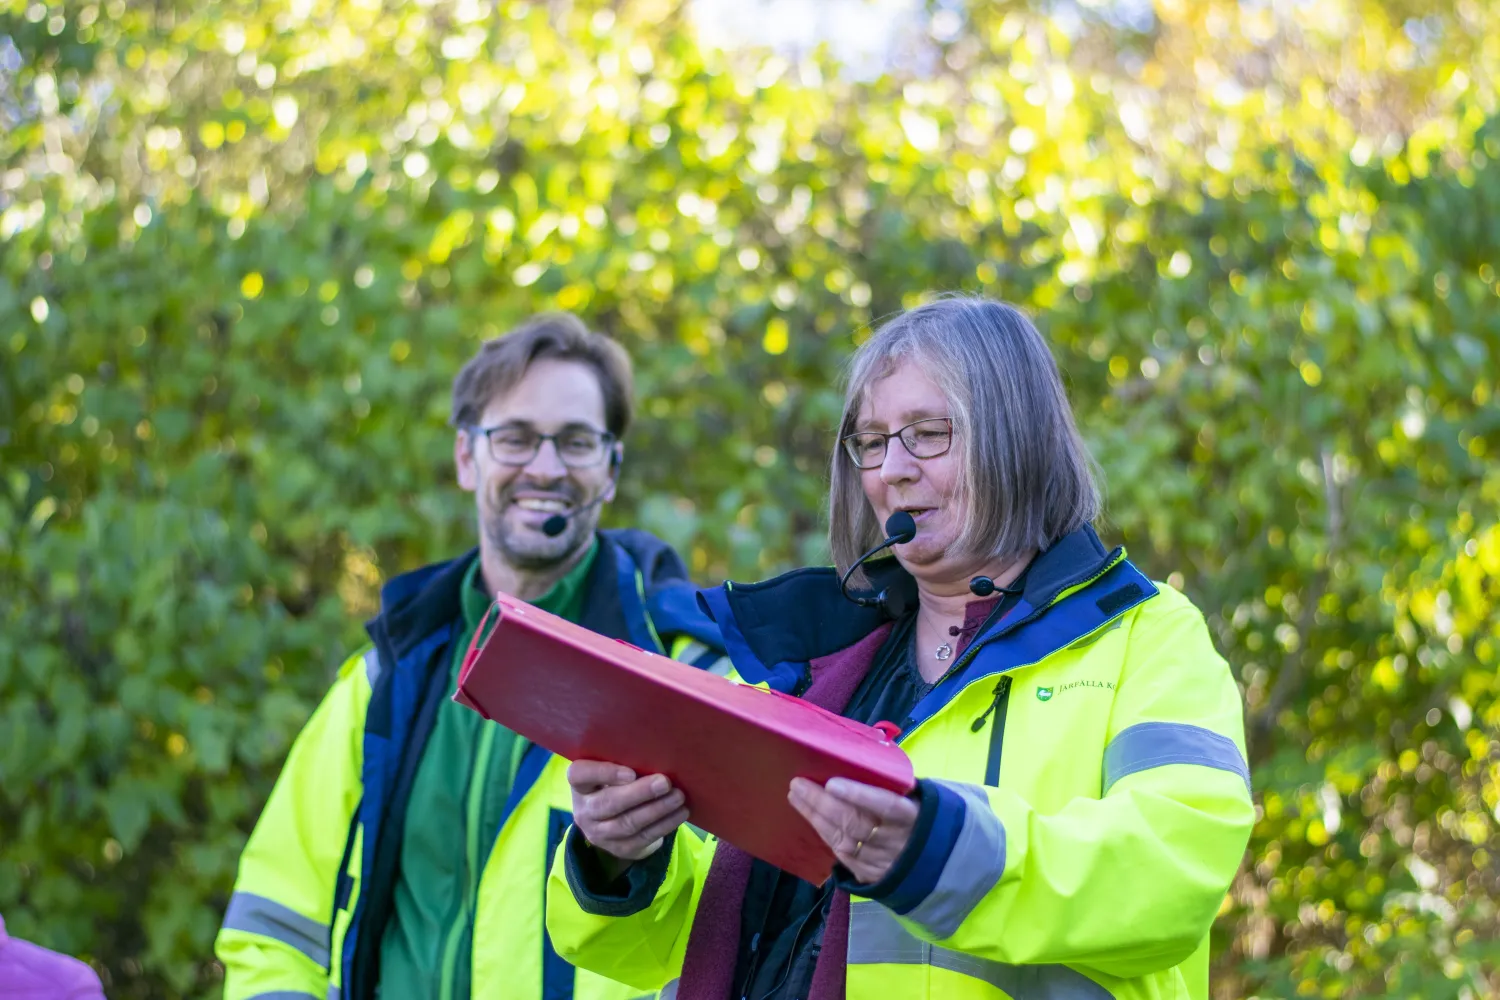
900,528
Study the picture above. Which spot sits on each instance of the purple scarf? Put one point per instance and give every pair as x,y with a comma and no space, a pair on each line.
714,942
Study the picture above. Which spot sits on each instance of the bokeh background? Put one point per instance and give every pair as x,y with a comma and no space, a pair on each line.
245,244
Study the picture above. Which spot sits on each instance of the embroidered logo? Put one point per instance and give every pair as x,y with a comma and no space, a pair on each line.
1048,693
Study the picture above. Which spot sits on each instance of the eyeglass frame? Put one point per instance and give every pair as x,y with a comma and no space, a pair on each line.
844,442
606,439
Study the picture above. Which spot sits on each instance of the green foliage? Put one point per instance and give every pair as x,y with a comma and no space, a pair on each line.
246,245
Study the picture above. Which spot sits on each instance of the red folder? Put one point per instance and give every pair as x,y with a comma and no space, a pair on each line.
733,749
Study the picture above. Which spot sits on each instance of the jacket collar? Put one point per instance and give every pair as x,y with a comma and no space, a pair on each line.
415,605
772,629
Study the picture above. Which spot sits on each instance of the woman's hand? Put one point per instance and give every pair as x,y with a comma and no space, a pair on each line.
623,816
866,827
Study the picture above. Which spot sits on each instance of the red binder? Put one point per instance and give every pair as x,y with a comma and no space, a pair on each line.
732,749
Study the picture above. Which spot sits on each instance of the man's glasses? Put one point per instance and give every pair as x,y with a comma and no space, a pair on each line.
926,438
577,447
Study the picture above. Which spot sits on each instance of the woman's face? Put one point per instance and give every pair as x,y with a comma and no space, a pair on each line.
924,487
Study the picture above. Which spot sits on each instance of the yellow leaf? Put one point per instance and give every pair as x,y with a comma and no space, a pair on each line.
776,338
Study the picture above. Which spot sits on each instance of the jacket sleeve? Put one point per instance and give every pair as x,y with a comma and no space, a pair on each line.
275,938
1126,884
634,930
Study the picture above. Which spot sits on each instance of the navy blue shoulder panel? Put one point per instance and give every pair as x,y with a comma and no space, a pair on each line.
675,609
771,630
630,592
1025,637
656,599
799,616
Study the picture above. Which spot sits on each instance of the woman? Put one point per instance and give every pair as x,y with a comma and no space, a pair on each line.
1083,799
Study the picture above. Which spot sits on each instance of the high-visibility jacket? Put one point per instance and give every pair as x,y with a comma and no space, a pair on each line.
315,885
1085,761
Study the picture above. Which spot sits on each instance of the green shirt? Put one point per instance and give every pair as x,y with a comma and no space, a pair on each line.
453,818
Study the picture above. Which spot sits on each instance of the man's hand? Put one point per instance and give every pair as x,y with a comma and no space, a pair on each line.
624,817
866,827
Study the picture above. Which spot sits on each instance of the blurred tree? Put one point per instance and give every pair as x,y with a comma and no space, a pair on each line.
246,244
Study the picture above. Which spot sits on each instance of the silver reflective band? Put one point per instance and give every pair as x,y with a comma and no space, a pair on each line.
283,995
372,666
972,869
668,992
268,918
1155,744
335,993
876,937
721,666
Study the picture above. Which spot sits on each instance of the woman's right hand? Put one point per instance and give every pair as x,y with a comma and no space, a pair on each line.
621,815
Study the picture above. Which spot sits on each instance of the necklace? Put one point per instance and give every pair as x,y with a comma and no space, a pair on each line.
943,651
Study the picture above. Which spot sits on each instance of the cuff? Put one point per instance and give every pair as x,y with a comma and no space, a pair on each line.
630,893
916,872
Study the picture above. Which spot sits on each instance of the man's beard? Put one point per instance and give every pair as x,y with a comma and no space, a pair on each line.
529,549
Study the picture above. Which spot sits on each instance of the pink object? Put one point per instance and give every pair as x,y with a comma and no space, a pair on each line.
31,972
732,749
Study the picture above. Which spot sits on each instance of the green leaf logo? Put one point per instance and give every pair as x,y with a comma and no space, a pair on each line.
1043,694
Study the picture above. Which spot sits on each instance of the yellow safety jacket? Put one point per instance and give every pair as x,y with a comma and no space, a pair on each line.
315,882
1082,767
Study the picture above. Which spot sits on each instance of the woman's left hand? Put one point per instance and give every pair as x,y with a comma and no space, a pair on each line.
866,827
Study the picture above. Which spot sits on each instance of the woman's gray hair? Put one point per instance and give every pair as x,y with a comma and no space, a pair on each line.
1026,474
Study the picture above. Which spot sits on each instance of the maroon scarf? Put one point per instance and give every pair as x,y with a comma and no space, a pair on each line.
714,942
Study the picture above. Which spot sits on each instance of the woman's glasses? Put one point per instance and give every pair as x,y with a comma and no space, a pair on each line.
925,438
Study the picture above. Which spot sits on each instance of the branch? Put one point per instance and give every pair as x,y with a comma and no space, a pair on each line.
1292,675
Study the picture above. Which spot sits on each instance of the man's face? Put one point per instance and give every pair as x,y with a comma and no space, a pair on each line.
514,501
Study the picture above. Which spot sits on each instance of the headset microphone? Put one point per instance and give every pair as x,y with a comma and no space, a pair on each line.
900,528
558,523
983,586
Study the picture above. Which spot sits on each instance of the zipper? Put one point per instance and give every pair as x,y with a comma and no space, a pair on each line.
465,916
981,641
997,731
1001,690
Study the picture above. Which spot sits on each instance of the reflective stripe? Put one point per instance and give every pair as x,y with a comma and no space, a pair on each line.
876,937
1154,744
688,650
668,992
972,869
268,918
372,666
284,995
335,993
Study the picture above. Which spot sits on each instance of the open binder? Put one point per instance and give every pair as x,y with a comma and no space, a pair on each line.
732,748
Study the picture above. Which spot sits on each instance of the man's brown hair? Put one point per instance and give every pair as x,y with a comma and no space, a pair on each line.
503,361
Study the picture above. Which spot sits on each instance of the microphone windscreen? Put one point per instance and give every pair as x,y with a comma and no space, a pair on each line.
554,525
901,526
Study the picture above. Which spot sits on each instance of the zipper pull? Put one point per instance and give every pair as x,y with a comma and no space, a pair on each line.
1001,688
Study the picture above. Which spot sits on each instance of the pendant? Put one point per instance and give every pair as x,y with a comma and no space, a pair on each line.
944,651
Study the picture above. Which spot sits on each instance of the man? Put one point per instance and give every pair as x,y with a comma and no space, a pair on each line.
405,848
